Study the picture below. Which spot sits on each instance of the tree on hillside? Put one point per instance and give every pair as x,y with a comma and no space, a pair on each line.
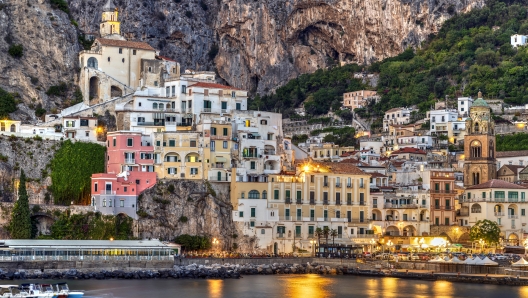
7,103
486,230
20,225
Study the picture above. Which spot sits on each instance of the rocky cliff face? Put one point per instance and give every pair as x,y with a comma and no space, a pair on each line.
50,48
256,45
173,208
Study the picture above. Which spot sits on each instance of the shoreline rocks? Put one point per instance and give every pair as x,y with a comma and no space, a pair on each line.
231,271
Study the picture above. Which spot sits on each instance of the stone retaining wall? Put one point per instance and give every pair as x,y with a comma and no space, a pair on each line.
67,265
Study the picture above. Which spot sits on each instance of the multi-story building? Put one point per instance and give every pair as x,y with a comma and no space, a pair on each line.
509,173
404,212
286,211
518,40
443,196
80,128
447,123
499,201
359,99
328,151
129,171
464,104
259,145
519,158
396,116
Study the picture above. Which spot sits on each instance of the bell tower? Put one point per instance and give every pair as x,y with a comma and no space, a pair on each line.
479,144
110,26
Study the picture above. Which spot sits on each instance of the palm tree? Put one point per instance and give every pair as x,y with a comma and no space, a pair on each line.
326,233
333,234
318,234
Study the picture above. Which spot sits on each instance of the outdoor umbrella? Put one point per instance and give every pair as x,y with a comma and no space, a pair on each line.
521,263
470,261
486,262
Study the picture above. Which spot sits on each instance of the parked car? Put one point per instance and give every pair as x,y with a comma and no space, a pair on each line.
501,257
367,254
414,257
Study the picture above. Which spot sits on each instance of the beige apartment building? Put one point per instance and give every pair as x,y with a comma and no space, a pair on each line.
358,99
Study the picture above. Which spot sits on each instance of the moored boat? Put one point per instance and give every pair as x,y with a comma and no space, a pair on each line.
63,289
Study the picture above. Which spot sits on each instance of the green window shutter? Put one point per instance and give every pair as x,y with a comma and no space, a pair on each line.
276,194
299,195
225,131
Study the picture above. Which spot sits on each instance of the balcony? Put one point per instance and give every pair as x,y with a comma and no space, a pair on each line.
312,202
288,201
499,213
349,186
285,218
338,202
130,161
162,123
442,191
184,124
269,152
361,203
225,111
349,203
298,202
338,219
299,218
511,216
206,110
108,192
280,235
325,202
338,184
374,205
400,206
325,184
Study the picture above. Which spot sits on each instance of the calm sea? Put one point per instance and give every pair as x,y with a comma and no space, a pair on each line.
302,286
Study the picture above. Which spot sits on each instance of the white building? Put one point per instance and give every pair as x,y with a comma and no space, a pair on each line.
396,116
260,144
518,40
464,103
515,158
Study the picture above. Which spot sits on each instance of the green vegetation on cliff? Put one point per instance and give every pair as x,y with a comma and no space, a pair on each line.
90,226
71,170
196,242
320,91
20,224
7,103
515,142
472,51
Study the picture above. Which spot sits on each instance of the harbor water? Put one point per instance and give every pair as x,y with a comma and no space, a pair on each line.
302,286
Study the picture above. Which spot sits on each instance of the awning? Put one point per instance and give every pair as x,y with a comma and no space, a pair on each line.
255,134
221,159
159,116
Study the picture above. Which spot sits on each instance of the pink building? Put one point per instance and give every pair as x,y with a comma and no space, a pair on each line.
129,172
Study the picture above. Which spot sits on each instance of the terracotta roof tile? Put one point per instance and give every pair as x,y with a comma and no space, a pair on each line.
511,153
341,168
213,86
125,44
513,168
409,150
496,183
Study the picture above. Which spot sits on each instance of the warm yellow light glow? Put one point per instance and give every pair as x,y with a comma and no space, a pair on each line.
112,239
311,285
306,168
214,287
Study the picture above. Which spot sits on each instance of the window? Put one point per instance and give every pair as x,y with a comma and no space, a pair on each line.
130,142
262,231
225,131
172,171
87,134
252,224
104,202
172,143
224,145
288,192
476,208
95,187
109,202
264,195
483,194
224,105
275,194
238,106
253,212
213,131
254,194
108,59
125,189
523,212
240,213
522,197
446,221
499,195
133,52
194,171
184,89
312,178
233,94
270,137
192,143
513,195
252,165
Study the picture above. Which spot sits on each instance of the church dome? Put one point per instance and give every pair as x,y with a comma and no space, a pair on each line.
480,103
109,6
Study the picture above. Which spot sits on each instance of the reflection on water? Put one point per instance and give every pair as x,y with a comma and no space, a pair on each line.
305,286
289,286
215,287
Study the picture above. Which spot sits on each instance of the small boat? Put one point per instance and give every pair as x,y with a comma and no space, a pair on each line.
63,291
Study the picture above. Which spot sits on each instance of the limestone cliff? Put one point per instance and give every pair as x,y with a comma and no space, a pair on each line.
172,208
256,45
50,48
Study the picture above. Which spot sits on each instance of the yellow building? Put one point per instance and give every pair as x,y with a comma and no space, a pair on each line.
219,134
180,155
286,211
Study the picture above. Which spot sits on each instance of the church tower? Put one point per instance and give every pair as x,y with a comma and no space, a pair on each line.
110,26
479,144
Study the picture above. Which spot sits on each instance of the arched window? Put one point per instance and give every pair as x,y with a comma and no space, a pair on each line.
476,178
476,208
264,195
491,150
243,195
13,128
476,127
155,106
92,62
476,149
254,194
497,209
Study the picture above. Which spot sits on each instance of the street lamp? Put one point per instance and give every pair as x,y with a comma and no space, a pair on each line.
389,243
481,242
313,242
215,243
372,242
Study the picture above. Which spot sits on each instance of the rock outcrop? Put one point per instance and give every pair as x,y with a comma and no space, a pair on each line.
177,207
255,45
50,50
